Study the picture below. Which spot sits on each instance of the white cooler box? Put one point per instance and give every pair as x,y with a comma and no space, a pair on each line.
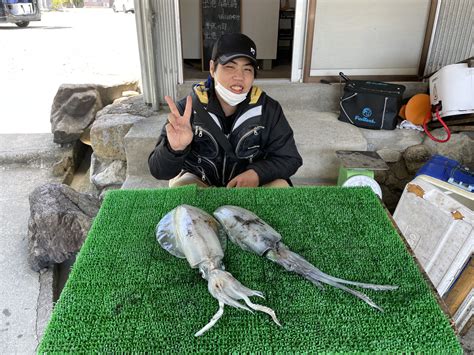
437,221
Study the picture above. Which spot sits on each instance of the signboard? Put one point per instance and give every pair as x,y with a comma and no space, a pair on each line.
217,17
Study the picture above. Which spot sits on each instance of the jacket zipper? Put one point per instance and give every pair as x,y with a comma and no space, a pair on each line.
203,175
232,171
210,162
198,131
253,131
223,169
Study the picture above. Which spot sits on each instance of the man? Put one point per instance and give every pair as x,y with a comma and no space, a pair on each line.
228,132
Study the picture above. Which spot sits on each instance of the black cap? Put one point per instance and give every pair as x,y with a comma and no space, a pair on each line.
234,45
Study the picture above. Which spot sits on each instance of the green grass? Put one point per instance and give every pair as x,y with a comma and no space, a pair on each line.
127,294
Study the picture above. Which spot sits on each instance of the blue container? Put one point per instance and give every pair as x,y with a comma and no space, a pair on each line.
10,1
448,170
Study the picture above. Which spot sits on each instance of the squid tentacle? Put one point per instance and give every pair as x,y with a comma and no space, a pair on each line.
213,320
228,290
242,293
239,288
319,275
221,295
261,308
296,263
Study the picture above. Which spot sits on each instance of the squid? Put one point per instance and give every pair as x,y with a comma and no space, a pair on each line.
251,233
189,232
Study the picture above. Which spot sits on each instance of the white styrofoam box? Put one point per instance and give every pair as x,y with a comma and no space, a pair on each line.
439,228
465,311
463,196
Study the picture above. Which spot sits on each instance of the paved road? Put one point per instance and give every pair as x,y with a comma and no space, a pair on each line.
74,46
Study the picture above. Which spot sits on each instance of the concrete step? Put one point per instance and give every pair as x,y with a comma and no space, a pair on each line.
311,110
33,150
314,96
318,136
140,141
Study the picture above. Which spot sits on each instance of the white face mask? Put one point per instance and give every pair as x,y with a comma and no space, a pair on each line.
228,96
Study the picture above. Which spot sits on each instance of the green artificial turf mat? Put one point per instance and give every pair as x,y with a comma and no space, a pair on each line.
126,294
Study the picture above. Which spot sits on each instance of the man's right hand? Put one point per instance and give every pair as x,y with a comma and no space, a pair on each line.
178,128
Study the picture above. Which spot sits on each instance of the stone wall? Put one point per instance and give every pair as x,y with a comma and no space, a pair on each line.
404,150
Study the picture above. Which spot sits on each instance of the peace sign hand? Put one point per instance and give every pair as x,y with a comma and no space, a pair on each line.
178,128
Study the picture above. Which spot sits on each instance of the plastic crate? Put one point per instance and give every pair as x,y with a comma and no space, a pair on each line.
448,170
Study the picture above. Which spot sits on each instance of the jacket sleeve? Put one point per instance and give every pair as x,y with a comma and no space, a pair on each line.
281,159
163,162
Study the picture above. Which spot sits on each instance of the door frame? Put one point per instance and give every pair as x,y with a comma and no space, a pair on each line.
299,35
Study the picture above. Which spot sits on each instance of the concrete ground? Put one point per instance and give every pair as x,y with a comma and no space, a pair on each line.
26,296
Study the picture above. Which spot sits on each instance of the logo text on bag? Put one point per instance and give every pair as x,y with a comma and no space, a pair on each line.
366,113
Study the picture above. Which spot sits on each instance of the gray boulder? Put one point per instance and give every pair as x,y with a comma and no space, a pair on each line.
111,92
106,173
134,105
74,108
389,155
60,219
416,156
395,140
460,146
108,132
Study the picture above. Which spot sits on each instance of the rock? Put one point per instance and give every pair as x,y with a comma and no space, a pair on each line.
133,105
130,93
109,93
74,108
59,222
395,140
460,147
61,167
393,182
400,172
389,155
415,156
380,176
107,173
107,135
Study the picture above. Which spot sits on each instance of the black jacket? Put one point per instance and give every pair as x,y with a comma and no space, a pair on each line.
261,139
